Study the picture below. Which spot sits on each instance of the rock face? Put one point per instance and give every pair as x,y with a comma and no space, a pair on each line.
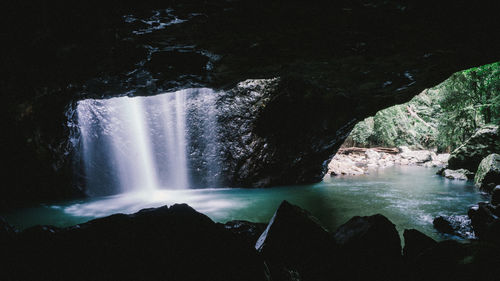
483,143
369,246
488,173
296,247
175,243
416,243
353,59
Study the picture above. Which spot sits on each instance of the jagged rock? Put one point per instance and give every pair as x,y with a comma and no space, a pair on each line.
248,231
416,243
175,243
495,195
460,174
485,221
483,143
488,173
370,247
295,245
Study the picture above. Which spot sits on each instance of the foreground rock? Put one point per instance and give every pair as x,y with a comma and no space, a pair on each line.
296,247
178,243
175,243
454,261
416,243
485,221
483,143
369,247
488,173
245,230
495,196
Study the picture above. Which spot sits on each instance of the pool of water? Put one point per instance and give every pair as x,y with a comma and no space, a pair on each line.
409,196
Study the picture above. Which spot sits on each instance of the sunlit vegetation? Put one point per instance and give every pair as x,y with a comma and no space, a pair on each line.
442,117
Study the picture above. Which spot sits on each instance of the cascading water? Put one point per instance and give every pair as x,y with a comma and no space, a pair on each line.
137,144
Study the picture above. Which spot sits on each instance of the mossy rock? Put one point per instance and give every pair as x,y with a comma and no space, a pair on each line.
468,156
488,173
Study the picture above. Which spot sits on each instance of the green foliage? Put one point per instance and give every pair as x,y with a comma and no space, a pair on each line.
442,117
471,99
361,133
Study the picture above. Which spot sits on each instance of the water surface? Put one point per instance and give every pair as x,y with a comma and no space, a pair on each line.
409,196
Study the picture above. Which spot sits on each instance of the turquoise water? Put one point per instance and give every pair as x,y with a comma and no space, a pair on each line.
409,196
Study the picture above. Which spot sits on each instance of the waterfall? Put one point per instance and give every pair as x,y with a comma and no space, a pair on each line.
136,144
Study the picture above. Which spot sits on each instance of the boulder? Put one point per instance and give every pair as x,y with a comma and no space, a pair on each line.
417,156
485,221
369,247
296,247
488,173
166,243
452,260
495,195
416,243
460,174
456,225
345,165
483,143
443,225
443,157
440,262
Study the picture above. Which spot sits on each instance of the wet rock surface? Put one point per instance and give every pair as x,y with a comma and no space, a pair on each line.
455,226
343,61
